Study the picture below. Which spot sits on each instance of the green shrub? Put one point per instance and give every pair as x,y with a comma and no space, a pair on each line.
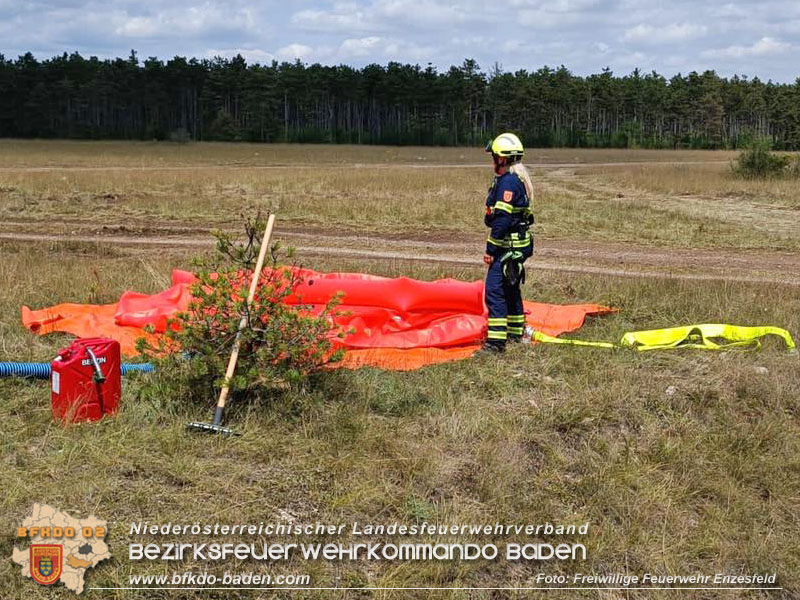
793,169
757,161
180,136
281,344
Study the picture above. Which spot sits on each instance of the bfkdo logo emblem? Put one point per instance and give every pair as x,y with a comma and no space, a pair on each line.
62,548
46,563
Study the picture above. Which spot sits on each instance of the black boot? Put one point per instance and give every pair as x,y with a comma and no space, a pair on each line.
514,339
492,347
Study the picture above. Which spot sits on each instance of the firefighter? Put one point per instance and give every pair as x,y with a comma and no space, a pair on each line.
509,217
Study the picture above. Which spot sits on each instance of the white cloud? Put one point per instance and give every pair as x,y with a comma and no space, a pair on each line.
555,5
469,40
293,52
630,61
251,55
386,15
345,16
790,27
547,19
730,10
192,20
370,48
550,14
766,46
585,35
425,12
138,27
515,46
676,32
355,47
400,50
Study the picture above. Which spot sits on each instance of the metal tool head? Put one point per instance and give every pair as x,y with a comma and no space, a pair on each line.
211,428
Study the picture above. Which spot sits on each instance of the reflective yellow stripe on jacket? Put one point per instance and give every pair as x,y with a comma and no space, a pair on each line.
510,209
512,241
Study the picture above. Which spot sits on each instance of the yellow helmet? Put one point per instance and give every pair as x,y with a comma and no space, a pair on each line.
506,144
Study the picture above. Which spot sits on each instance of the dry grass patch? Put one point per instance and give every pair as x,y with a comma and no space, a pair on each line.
689,205
701,479
387,201
132,155
709,180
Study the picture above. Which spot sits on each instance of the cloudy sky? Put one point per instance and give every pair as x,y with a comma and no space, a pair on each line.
756,38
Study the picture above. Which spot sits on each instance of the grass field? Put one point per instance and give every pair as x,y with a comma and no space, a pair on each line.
693,202
681,462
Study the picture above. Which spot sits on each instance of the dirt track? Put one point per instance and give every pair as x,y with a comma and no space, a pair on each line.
599,258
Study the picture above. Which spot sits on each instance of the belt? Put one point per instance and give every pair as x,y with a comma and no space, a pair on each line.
514,240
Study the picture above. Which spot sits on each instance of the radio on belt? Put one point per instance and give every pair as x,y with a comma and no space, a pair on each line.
86,380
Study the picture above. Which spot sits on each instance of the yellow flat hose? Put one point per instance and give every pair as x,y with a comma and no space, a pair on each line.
699,337
538,336
702,337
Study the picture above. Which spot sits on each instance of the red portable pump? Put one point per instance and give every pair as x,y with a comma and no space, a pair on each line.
86,380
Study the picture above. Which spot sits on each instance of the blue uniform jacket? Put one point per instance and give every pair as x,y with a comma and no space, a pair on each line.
507,205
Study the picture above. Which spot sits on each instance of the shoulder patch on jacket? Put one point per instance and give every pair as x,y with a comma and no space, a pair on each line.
508,196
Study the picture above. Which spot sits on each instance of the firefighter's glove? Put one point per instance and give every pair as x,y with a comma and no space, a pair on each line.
513,267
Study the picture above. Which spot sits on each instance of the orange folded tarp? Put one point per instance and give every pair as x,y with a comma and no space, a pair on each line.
399,324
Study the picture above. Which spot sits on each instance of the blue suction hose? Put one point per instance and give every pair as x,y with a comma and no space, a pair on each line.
42,370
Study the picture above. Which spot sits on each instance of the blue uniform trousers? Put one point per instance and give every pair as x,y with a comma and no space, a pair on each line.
504,301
